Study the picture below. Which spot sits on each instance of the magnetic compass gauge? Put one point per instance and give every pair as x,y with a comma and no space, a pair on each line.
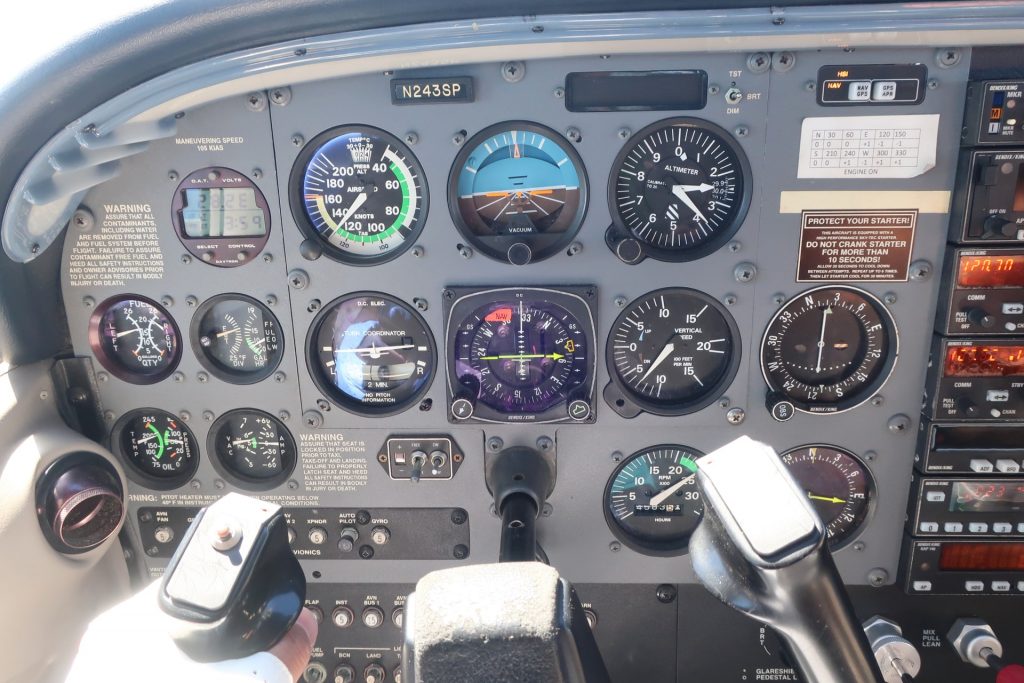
252,448
671,352
371,354
827,350
237,338
360,194
652,501
678,190
838,484
160,449
518,192
135,339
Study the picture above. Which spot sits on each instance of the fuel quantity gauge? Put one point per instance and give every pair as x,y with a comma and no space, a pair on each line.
652,501
135,339
252,448
160,449
237,338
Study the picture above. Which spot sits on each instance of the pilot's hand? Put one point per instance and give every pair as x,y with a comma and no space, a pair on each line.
130,643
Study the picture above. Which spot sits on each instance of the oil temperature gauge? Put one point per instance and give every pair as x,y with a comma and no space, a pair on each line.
237,338
652,502
252,448
160,449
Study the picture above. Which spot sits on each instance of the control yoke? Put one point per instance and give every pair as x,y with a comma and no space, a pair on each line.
776,568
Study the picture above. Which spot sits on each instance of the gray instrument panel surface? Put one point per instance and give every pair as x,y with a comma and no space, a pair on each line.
575,535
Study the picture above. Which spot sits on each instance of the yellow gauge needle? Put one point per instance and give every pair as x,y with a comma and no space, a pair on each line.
524,356
833,499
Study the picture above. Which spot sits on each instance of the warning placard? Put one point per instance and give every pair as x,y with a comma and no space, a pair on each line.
865,246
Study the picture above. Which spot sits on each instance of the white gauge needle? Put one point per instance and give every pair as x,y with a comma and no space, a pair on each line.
121,334
703,187
374,350
241,442
671,490
227,332
355,207
821,340
665,353
678,191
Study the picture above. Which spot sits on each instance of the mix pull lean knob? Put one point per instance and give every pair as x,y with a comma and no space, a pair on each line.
233,587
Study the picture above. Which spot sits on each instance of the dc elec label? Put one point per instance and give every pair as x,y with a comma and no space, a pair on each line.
864,246
432,90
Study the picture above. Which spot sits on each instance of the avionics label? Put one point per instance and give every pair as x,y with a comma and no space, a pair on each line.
864,246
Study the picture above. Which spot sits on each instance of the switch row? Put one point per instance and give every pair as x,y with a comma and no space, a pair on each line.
972,528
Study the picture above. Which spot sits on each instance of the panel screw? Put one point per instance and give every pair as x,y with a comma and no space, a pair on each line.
899,424
219,484
665,593
464,251
102,376
889,298
298,140
418,251
312,419
166,300
449,294
186,259
411,138
513,72
741,131
947,57
624,133
254,101
574,134
735,416
284,415
270,300
268,258
545,443
745,272
735,246
172,176
323,405
179,377
783,61
877,577
617,456
298,279
426,404
292,484
778,299
859,546
877,400
547,510
257,173
495,444
108,415
420,304
730,299
559,92
208,415
44,395
615,546
870,455
459,137
83,219
759,62
920,270
620,301
365,552
280,377
810,86
574,248
724,402
459,516
281,96
202,377
933,84
313,306
88,301
191,301
185,415
460,552
714,89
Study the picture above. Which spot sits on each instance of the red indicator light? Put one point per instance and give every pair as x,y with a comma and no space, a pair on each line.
501,315
992,271
995,114
984,361
982,557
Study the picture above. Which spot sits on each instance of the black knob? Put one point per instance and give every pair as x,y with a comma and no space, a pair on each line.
967,407
519,254
997,226
981,318
629,251
463,407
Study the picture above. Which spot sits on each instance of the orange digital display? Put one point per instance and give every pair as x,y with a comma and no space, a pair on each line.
984,361
982,557
991,271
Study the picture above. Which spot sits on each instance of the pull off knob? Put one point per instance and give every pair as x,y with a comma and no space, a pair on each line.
981,318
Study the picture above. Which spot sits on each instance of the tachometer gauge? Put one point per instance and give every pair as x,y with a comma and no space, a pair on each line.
518,192
838,484
360,193
135,339
827,350
521,355
371,354
678,190
160,449
671,352
237,338
253,448
652,502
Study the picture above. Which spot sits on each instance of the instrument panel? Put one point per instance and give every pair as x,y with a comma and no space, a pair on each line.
302,285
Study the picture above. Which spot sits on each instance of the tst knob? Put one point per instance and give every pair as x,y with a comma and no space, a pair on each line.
374,673
981,318
967,407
